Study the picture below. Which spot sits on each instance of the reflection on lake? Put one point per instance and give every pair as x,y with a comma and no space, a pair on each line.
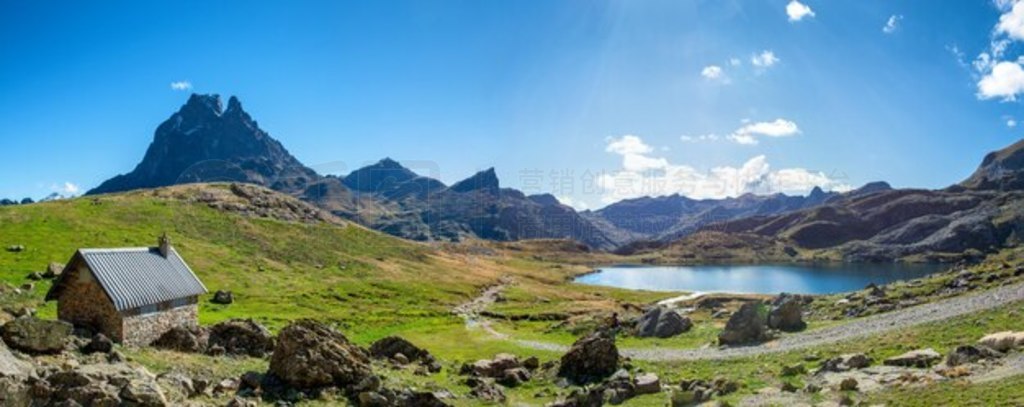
764,279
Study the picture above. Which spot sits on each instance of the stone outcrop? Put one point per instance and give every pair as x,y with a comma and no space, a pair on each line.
183,339
32,335
965,354
53,270
662,323
746,326
241,337
223,297
786,314
590,358
845,362
392,346
921,358
1003,341
311,355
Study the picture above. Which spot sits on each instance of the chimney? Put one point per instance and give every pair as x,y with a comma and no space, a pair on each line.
164,244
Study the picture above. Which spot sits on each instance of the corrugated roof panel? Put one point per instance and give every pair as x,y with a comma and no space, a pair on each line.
138,277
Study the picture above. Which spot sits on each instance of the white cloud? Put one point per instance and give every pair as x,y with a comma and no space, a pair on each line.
753,176
181,85
749,133
1011,22
1011,122
628,144
1004,81
67,189
765,59
712,72
735,61
892,24
797,11
702,137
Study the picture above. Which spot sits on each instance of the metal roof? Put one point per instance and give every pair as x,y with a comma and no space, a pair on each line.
137,277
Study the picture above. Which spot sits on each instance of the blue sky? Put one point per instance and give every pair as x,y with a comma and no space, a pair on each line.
593,101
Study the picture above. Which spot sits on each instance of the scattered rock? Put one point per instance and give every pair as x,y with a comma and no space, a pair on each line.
16,248
845,362
514,377
848,384
242,337
494,368
918,358
1003,341
28,287
965,354
531,363
748,325
312,355
590,358
35,276
485,389
242,402
98,344
182,339
662,323
786,314
32,335
788,387
392,346
223,297
698,391
53,270
875,291
647,383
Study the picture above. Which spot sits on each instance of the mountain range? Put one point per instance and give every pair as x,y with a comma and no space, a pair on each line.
204,142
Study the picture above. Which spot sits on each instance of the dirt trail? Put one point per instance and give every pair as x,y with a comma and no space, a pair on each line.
859,328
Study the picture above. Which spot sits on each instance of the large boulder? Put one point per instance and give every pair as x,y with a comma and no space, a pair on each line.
311,355
101,385
662,323
242,337
786,314
494,368
591,358
223,297
917,358
182,339
32,335
965,354
53,270
14,391
748,325
1003,341
392,346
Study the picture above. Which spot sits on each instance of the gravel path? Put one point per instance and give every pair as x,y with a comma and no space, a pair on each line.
858,328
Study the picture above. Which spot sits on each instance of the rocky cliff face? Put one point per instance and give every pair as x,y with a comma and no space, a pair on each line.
1001,170
203,142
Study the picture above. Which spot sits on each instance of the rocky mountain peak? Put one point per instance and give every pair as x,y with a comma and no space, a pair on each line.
203,105
382,175
204,143
486,180
1000,170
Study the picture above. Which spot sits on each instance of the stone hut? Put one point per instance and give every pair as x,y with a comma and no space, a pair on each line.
132,295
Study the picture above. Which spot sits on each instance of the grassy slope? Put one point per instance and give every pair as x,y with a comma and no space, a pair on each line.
373,285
